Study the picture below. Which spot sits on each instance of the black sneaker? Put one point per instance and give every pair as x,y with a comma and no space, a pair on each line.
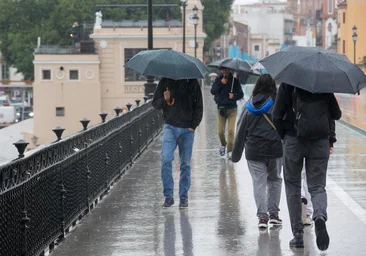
263,223
275,220
183,203
322,238
168,202
297,241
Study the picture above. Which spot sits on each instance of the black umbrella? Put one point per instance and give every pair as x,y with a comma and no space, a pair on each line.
315,70
235,64
167,63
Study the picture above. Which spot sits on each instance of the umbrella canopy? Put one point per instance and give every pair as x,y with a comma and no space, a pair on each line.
235,64
315,70
167,63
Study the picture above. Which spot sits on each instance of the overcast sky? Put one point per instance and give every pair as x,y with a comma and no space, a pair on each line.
250,1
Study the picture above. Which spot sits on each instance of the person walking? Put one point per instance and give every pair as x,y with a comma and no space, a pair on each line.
263,150
305,195
226,90
181,103
302,121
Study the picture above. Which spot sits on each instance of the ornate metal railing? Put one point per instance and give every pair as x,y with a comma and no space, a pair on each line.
44,194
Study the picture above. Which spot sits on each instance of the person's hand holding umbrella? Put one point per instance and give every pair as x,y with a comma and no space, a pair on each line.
167,97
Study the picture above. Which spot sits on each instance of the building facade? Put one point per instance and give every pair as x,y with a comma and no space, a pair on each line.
352,13
71,86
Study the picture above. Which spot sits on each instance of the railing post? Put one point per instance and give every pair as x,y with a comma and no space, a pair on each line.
118,110
103,115
138,102
62,199
58,131
85,123
24,225
21,145
129,105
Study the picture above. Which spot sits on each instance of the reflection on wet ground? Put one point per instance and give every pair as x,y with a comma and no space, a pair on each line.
353,108
221,218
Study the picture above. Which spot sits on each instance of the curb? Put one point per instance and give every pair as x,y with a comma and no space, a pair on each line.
351,126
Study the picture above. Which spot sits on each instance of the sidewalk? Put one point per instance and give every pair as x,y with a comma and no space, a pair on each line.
11,134
221,217
353,109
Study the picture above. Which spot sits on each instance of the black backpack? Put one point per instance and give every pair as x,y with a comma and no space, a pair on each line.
312,115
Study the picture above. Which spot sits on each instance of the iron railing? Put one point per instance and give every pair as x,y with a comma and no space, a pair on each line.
44,194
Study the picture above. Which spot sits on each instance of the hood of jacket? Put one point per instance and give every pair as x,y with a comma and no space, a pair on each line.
259,104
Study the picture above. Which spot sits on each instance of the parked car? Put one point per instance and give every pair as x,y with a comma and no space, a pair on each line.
4,100
7,116
28,113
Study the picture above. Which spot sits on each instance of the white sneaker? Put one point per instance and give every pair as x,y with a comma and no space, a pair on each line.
308,221
229,155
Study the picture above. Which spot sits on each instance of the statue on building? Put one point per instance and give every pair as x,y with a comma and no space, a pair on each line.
98,20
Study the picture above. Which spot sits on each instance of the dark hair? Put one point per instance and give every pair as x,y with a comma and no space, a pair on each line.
265,85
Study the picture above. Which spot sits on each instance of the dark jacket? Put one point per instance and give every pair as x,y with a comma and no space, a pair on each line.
187,110
221,92
255,133
284,116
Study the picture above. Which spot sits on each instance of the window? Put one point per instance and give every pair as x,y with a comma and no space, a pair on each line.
74,74
132,75
344,46
344,18
46,74
60,111
256,48
330,6
5,72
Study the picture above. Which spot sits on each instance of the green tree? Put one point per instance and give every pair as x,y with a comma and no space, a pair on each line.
215,15
22,21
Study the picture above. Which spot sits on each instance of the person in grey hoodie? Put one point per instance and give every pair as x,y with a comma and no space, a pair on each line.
263,150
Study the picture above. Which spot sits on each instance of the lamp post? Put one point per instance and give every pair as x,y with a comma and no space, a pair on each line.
184,5
149,86
195,23
354,38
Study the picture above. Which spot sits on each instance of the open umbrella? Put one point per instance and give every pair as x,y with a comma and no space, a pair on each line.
167,63
235,64
315,70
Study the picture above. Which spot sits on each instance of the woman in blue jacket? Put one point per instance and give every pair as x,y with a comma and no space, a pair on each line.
263,150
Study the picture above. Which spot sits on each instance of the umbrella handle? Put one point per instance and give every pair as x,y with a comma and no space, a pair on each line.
232,85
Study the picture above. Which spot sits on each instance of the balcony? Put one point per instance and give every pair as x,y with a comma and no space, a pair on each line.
84,47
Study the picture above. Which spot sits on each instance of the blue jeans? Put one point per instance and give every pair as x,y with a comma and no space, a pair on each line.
183,138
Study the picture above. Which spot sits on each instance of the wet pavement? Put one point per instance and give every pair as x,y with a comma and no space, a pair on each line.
354,109
221,218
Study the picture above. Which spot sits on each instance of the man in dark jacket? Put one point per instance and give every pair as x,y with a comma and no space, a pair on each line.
227,90
181,102
315,152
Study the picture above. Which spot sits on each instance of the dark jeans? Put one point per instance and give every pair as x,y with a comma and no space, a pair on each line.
316,155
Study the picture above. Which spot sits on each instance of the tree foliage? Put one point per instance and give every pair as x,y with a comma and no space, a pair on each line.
22,21
215,15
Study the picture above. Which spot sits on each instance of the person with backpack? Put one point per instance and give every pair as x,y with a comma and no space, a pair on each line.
263,150
302,121
226,90
305,195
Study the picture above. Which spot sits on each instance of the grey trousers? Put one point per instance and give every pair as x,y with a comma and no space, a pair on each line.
316,155
267,182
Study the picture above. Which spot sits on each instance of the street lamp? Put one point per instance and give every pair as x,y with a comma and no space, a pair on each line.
354,37
184,5
195,23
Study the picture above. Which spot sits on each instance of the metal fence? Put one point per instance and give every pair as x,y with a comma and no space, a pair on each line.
44,194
